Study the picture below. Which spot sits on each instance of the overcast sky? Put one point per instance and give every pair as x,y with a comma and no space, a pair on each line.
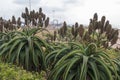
70,11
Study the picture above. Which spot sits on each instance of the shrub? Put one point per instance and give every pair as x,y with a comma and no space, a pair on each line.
6,36
26,50
11,72
58,51
84,63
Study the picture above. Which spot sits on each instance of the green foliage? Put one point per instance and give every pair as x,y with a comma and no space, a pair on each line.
113,53
99,32
64,61
11,72
82,63
59,50
26,50
117,63
6,36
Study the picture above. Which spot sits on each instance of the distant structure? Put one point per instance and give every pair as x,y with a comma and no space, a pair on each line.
55,21
30,5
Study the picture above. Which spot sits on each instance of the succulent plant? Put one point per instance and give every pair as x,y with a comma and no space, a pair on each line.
100,30
30,51
79,62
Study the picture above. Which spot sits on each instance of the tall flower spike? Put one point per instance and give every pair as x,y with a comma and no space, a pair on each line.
26,11
34,22
65,27
108,29
23,15
76,32
36,15
103,20
73,30
44,16
55,35
95,17
31,14
40,10
114,40
76,25
102,24
106,24
26,21
81,30
1,19
87,37
19,21
47,22
13,20
90,28
95,25
40,21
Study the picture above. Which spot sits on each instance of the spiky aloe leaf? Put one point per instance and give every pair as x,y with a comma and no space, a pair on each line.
25,49
87,63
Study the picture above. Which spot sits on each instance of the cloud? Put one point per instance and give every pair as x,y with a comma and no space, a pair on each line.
117,2
74,2
24,2
55,9
70,1
68,10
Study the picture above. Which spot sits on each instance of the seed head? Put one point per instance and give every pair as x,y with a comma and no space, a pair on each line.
44,16
81,30
108,29
114,40
90,28
55,35
13,20
95,17
106,24
47,22
73,30
24,15
19,21
65,27
103,20
40,10
26,11
76,25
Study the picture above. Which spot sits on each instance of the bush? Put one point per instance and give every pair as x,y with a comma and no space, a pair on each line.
11,72
112,53
83,63
26,50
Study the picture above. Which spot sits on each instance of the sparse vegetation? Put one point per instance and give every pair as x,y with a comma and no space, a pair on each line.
69,53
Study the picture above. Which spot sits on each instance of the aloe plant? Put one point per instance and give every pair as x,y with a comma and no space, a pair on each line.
6,36
83,63
26,50
58,51
117,62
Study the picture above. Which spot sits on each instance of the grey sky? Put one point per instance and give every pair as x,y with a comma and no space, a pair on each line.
69,10
24,2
